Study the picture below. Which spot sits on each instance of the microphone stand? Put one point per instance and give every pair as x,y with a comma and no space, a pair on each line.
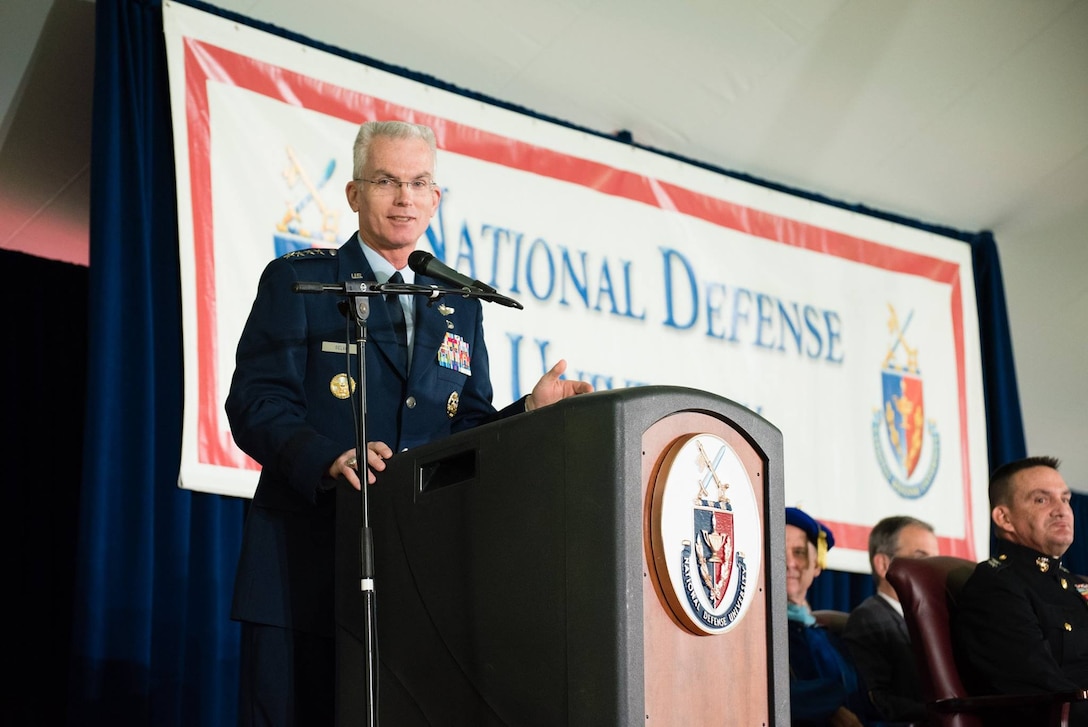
359,294
361,309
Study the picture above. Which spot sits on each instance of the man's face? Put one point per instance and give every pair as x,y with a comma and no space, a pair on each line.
392,220
1039,515
801,568
914,541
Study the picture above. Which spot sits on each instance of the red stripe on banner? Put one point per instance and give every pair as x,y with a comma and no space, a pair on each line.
968,547
206,63
213,446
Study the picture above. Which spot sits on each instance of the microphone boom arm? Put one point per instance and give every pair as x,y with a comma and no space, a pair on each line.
353,288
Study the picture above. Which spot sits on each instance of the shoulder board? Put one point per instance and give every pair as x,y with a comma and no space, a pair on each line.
310,252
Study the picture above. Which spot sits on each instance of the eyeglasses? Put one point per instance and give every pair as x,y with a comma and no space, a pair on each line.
390,186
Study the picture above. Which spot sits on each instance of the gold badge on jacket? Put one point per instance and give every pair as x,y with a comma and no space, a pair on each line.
451,405
342,386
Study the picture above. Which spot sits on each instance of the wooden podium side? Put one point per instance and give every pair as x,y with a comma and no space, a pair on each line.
517,582
699,678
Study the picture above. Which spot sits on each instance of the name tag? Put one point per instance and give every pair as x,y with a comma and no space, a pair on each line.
333,347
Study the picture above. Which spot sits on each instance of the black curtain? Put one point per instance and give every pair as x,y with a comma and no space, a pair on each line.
43,365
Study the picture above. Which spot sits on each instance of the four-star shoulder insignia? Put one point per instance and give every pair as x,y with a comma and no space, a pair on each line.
311,252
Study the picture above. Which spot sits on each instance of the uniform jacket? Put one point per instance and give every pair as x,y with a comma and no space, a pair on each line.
285,410
879,643
1022,624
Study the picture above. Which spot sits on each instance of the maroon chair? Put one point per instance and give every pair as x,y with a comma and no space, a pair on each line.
928,589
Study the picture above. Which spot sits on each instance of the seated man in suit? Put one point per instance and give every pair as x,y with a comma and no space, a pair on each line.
1022,617
824,686
876,632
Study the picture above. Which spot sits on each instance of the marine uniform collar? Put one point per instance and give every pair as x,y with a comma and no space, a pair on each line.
1014,553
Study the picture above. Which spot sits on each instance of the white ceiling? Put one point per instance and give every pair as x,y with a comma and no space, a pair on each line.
971,114
958,113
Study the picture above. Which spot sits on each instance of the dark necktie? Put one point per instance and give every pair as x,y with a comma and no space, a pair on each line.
396,314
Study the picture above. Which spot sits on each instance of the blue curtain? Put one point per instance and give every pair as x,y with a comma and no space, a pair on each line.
152,643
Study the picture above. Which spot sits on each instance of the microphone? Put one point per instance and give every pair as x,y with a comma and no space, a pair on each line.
425,263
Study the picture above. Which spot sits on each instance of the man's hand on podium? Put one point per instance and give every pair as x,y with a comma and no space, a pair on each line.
551,388
347,465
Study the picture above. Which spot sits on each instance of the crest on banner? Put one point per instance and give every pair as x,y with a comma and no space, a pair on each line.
907,446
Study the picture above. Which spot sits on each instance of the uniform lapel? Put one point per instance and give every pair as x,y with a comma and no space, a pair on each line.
379,328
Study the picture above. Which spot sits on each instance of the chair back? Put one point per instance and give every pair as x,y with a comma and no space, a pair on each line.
928,589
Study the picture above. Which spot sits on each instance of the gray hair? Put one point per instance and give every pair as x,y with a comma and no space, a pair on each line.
393,130
884,537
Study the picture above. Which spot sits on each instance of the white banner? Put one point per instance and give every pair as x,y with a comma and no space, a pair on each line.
856,337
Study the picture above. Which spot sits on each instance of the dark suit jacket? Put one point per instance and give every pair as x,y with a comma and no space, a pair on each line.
283,412
879,643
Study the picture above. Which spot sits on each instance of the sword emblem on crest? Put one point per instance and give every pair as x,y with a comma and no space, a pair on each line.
713,528
904,410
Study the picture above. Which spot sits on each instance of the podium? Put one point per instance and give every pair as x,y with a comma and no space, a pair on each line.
526,575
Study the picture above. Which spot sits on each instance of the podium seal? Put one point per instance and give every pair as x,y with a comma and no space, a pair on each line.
706,533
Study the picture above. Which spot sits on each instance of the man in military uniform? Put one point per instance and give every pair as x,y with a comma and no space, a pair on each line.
1022,617
291,408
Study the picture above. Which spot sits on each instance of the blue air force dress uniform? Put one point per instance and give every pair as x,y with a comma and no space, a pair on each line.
822,676
290,408
1022,624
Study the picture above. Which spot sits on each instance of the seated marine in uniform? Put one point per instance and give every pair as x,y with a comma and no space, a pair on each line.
1022,617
